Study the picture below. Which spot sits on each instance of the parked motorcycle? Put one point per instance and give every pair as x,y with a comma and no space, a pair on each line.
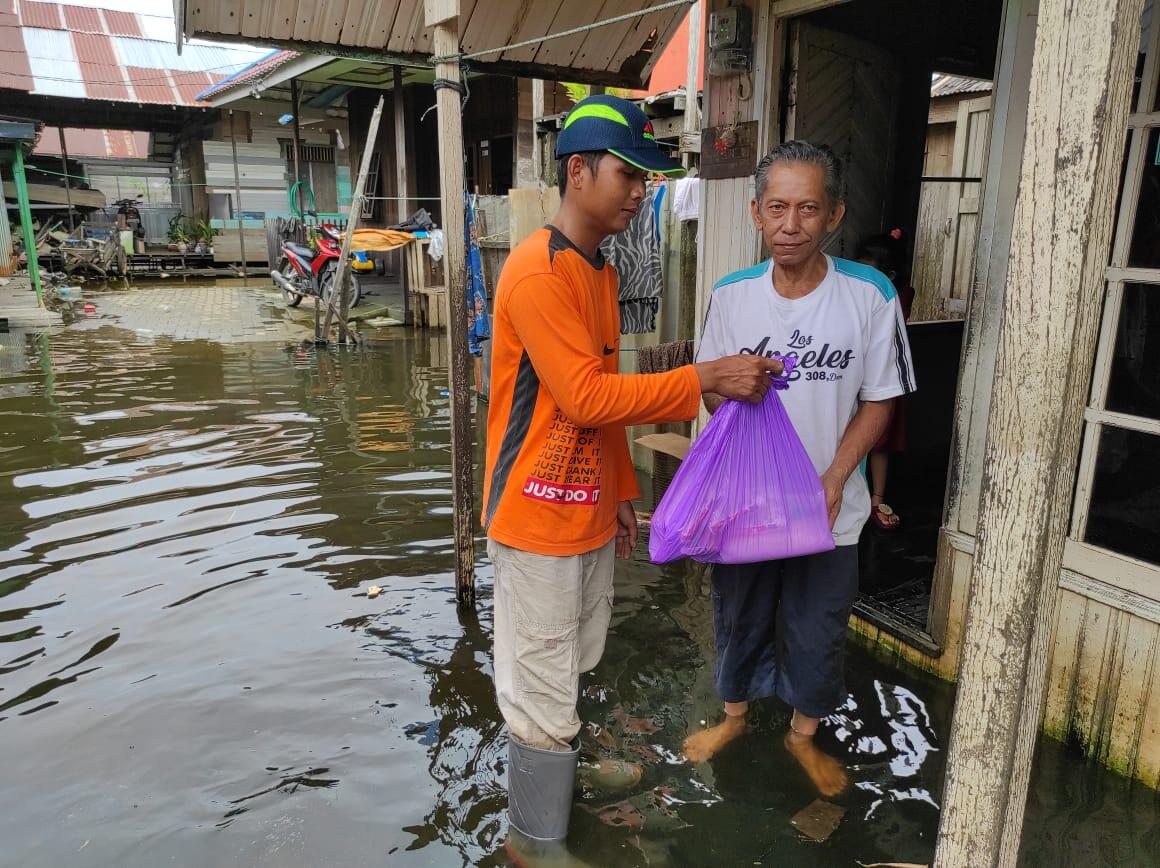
304,271
129,217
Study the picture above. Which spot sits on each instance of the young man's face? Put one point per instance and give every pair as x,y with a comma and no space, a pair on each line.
612,196
795,214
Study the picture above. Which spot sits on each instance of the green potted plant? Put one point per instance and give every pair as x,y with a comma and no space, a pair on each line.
203,234
178,233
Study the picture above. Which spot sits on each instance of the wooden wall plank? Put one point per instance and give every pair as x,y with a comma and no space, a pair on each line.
1146,764
1127,706
1060,701
1091,662
529,210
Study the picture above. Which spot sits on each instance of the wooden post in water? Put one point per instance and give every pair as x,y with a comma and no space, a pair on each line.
443,15
7,258
687,306
343,269
295,99
67,180
401,182
238,195
1085,54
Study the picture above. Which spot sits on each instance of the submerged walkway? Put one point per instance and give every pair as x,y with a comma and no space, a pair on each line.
226,312
18,305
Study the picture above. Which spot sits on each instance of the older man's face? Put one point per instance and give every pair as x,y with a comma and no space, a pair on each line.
795,214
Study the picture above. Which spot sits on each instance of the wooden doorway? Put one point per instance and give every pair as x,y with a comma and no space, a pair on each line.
947,234
844,93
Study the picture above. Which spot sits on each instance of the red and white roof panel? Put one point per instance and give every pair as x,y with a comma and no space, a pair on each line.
84,51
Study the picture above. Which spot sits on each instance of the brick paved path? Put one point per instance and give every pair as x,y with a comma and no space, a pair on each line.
224,312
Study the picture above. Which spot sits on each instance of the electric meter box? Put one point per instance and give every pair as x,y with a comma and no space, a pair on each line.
730,27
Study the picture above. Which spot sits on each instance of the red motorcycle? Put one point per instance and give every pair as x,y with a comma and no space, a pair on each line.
304,271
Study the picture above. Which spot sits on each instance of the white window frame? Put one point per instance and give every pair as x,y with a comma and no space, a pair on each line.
1109,567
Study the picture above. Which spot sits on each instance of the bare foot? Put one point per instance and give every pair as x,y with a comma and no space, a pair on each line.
703,745
824,770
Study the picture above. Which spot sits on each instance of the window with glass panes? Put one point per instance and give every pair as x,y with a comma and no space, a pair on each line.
1115,532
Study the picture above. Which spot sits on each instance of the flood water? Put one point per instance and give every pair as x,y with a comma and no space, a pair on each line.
191,672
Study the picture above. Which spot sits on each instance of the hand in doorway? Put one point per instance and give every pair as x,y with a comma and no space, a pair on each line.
626,530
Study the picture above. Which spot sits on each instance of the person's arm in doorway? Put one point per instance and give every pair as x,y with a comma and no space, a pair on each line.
864,430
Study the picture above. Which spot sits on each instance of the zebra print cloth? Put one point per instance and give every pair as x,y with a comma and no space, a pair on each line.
635,253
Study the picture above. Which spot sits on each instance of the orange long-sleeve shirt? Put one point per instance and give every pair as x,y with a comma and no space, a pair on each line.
557,453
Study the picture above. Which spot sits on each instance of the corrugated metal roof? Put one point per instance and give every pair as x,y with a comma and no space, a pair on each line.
952,85
105,144
83,20
256,71
84,51
616,53
40,15
122,23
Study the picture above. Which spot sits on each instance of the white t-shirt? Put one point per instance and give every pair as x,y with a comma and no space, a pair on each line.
849,336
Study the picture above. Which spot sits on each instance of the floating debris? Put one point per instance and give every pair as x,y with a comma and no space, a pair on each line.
611,774
647,753
603,737
622,816
639,725
818,820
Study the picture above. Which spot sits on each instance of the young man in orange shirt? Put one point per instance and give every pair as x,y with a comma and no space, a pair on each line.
558,480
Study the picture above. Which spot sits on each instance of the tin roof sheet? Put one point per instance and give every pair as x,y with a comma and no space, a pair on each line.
85,51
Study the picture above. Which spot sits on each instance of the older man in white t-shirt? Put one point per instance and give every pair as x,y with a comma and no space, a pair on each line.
780,625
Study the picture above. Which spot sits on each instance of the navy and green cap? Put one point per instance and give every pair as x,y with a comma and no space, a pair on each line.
609,123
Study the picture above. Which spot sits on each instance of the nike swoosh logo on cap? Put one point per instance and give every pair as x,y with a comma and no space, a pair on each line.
608,351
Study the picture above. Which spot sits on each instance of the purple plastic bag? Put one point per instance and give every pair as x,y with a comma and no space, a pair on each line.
746,492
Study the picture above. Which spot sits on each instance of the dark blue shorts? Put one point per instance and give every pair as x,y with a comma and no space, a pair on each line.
780,629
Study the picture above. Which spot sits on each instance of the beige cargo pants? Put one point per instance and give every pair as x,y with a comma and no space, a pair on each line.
551,619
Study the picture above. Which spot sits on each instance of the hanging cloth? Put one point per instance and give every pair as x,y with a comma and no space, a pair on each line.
687,198
635,253
478,324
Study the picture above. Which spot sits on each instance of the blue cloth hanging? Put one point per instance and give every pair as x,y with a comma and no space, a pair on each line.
478,323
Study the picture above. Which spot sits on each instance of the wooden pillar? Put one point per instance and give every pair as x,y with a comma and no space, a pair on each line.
401,181
238,195
524,152
7,260
26,223
67,179
537,147
692,69
687,312
295,101
443,15
1085,53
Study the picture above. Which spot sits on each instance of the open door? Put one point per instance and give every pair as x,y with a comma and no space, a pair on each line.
844,93
972,132
947,236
